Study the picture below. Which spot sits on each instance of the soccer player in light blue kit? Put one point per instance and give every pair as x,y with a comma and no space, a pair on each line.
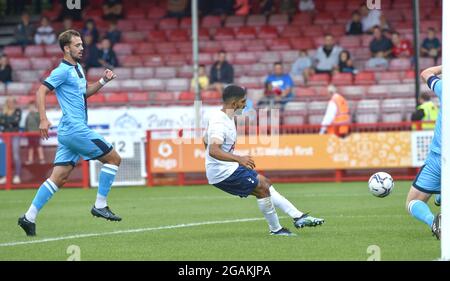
75,138
428,180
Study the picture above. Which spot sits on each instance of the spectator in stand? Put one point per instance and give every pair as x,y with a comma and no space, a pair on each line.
265,7
327,56
354,27
5,70
67,24
380,44
287,7
426,112
241,7
346,63
401,48
278,87
431,46
378,62
90,29
203,80
107,56
72,11
24,32
222,7
370,18
337,118
301,65
45,33
90,56
10,119
221,73
307,6
113,33
32,125
112,9
177,8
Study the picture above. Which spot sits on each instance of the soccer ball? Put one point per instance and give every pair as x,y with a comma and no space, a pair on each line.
381,184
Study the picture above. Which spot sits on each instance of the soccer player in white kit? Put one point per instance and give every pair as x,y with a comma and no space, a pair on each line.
235,175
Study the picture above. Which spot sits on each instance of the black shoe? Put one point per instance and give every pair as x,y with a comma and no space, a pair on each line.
105,213
28,226
436,226
283,232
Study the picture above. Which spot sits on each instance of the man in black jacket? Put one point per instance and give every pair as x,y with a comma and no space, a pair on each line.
222,73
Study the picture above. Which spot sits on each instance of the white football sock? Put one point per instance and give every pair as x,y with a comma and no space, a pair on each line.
267,208
31,214
100,202
281,202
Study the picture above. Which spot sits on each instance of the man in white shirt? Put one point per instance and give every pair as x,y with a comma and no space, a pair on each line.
234,174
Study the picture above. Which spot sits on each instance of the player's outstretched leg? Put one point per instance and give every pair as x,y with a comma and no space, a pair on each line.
111,163
300,219
266,206
58,178
417,206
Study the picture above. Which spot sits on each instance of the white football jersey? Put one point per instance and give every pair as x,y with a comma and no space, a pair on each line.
221,127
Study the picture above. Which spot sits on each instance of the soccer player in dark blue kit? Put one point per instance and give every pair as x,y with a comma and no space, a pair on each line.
75,138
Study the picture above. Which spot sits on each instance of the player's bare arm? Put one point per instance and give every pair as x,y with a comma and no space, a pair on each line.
94,88
427,73
44,124
216,152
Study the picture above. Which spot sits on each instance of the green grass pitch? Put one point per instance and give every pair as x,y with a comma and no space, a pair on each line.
204,223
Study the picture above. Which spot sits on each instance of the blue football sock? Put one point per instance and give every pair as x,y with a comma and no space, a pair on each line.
421,211
106,179
44,193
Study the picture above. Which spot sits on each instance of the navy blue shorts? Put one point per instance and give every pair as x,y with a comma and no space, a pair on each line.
241,183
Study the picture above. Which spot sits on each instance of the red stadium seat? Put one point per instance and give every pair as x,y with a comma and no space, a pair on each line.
368,106
145,24
138,97
233,46
319,80
153,85
246,32
209,46
367,118
123,48
250,82
350,42
53,50
184,47
51,100
18,88
409,77
224,33
177,85
131,61
313,31
116,98
186,96
337,30
305,92
186,71
165,48
178,35
235,21
342,79
153,60
256,20
143,48
203,34
96,100
186,23
163,97
364,78
258,69
143,72
156,36
244,58
14,51
168,23
165,72
211,21
175,59
302,19
28,75
402,90
352,92
400,64
281,44
41,63
205,58
133,37
34,51
289,56
267,32
123,73
302,43
291,31
211,95
278,20
125,25
156,12
377,91
130,85
135,14
255,45
388,77
324,19
270,57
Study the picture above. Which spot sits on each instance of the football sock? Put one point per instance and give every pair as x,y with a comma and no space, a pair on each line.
267,208
44,193
421,211
281,202
106,178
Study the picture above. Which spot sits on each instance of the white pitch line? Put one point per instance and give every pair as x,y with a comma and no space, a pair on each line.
77,236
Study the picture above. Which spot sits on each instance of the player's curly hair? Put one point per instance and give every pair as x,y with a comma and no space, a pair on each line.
232,91
65,37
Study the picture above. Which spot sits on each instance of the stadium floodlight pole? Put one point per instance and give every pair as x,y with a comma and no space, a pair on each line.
445,180
416,21
194,7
